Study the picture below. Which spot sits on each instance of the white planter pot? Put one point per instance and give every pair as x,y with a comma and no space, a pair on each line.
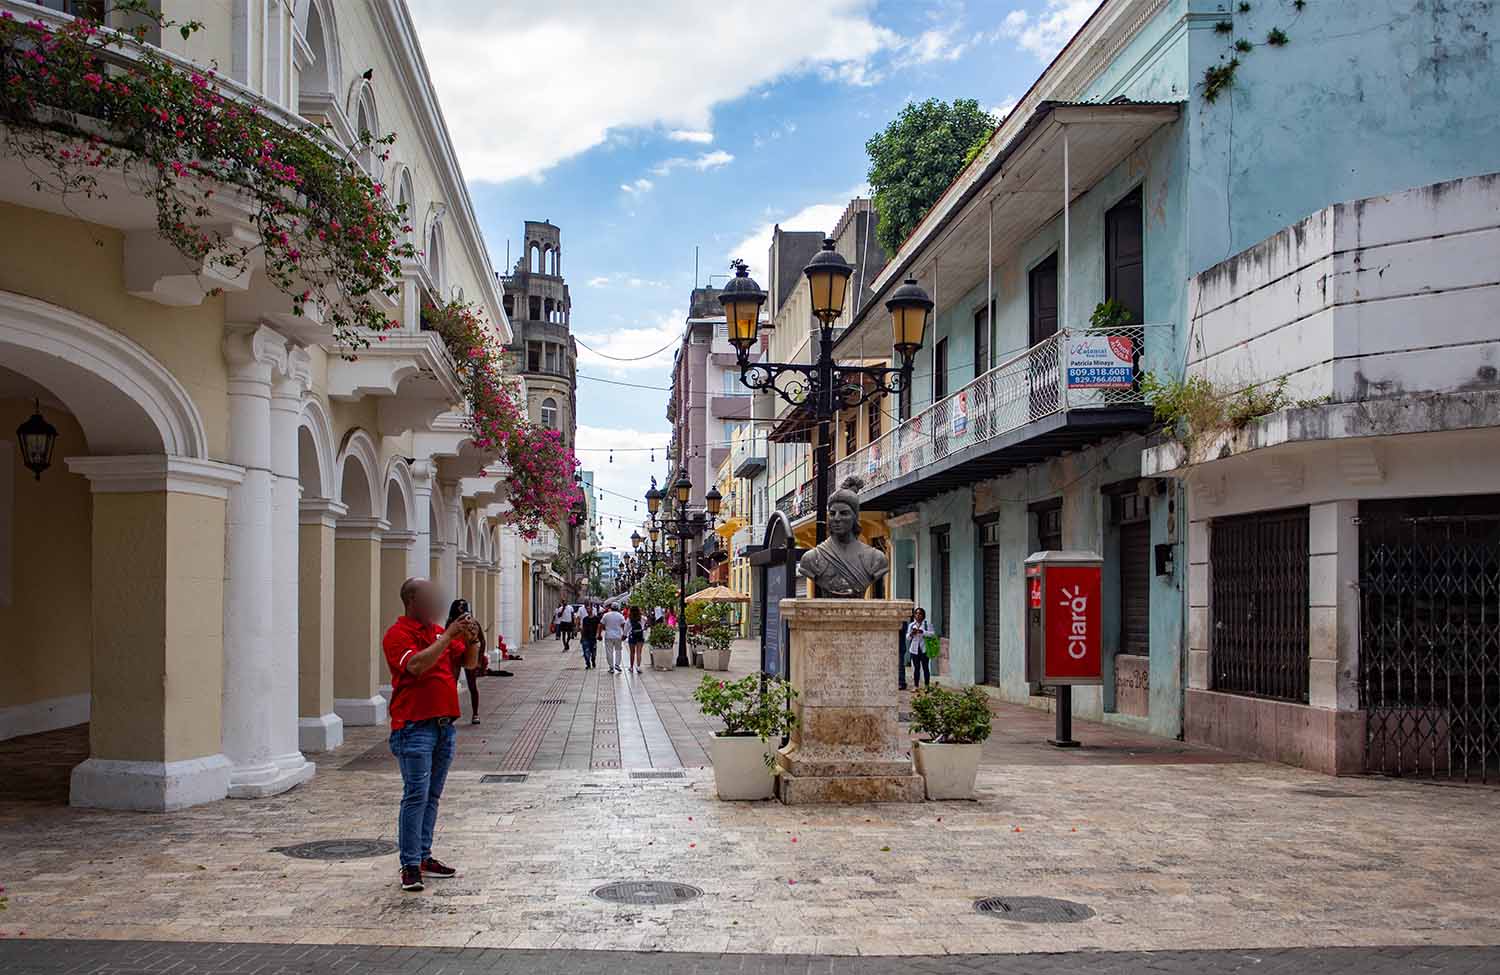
948,770
664,658
716,660
740,769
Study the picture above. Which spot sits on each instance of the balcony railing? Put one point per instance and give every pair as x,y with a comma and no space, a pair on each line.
1076,369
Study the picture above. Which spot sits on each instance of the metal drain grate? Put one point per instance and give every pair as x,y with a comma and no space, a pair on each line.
644,893
1034,910
504,778
658,775
338,849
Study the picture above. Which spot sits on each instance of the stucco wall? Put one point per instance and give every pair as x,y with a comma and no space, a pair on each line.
1366,98
45,607
46,256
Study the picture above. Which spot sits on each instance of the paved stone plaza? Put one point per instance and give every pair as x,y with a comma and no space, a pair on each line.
1174,848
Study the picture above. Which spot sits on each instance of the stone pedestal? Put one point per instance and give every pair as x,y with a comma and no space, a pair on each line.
846,746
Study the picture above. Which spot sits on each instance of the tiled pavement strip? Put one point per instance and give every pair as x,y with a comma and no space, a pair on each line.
1176,848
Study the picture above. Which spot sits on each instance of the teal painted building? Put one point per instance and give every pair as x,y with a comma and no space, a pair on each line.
1116,177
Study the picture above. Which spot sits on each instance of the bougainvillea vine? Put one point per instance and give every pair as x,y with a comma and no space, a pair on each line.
77,99
542,489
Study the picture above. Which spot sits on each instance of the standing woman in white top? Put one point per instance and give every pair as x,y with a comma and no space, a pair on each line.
917,632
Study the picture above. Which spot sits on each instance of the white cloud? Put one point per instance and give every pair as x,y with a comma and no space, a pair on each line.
616,351
703,163
598,282
1004,107
1045,33
636,188
754,248
935,44
629,474
690,135
525,86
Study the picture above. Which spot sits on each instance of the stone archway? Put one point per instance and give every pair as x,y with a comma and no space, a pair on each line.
359,533
131,485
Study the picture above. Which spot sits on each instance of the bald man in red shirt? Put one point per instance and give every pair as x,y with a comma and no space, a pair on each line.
425,661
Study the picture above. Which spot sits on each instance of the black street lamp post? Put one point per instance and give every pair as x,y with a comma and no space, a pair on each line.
824,384
681,527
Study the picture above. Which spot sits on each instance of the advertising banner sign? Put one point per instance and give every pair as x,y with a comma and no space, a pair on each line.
1101,362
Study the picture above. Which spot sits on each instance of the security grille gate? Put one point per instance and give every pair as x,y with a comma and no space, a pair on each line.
1429,681
1259,593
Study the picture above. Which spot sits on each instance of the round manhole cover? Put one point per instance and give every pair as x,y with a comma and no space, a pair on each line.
338,849
1034,910
646,892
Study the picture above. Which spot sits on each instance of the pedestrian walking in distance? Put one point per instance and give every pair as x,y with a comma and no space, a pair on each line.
637,638
557,623
424,660
565,625
460,607
588,636
615,630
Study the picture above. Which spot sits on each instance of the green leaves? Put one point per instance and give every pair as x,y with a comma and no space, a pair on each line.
746,708
917,156
951,717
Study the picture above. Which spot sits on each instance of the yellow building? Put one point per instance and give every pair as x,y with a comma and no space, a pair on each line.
217,547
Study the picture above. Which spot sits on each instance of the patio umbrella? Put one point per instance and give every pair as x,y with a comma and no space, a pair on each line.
718,594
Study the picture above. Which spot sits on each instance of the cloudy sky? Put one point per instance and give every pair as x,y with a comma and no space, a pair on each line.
647,129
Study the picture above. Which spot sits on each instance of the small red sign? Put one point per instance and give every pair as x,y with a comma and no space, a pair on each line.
1074,621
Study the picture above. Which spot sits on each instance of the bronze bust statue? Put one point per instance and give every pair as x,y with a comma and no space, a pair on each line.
842,566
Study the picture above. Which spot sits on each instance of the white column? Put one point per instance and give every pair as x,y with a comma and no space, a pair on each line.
253,353
452,508
287,389
419,556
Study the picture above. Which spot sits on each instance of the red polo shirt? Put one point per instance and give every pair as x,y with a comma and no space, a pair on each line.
435,693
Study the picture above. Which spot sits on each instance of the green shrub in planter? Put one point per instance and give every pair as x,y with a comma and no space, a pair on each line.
661,636
745,708
951,717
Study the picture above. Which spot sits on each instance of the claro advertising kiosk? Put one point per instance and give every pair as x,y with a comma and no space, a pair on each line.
1064,620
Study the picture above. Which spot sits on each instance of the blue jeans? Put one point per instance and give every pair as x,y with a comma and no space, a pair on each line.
590,650
921,667
424,750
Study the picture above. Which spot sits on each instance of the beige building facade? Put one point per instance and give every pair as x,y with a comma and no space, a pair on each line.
208,565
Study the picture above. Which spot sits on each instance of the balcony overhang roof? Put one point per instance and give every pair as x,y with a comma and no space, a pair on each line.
1024,184
796,425
1038,441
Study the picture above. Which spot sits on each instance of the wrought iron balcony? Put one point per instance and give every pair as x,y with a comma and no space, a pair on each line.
1067,391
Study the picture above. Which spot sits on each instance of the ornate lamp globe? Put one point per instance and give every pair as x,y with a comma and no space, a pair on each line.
654,532
714,500
910,307
828,281
742,299
682,488
36,438
635,540
653,499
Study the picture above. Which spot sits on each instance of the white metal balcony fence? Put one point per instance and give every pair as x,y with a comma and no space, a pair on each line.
1074,369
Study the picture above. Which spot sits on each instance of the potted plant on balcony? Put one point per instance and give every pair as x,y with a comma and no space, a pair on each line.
755,710
959,723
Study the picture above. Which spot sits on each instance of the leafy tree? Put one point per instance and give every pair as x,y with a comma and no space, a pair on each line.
917,156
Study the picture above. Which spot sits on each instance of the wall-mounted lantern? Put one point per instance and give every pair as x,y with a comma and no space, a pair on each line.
36,438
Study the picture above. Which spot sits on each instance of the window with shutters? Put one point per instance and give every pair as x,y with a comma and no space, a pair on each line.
989,533
876,408
944,579
940,370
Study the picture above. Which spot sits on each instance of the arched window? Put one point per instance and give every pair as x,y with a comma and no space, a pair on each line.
549,413
406,199
320,77
534,259
435,255
366,127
